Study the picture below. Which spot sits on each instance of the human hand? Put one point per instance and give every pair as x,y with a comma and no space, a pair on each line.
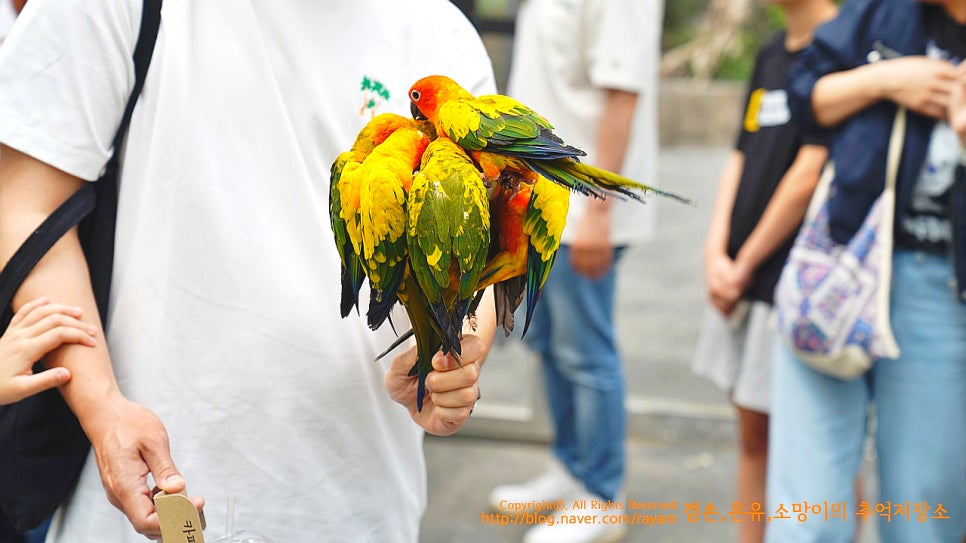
129,443
919,83
36,329
957,104
453,389
724,282
591,252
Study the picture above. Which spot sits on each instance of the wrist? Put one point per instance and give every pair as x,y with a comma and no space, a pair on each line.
878,86
98,412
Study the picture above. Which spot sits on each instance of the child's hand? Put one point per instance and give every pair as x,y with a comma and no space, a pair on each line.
38,328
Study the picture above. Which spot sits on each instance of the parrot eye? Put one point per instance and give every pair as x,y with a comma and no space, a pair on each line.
414,95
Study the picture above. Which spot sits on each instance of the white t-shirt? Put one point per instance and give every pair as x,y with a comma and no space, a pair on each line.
224,315
564,55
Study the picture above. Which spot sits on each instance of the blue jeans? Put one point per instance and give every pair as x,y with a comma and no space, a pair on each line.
818,423
573,332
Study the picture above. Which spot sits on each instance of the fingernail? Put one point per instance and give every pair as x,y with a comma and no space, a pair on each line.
174,480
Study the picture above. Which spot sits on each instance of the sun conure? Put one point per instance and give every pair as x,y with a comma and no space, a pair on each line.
449,234
499,125
377,227
528,214
374,133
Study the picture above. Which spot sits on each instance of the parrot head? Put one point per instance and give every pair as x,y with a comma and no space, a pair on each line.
429,93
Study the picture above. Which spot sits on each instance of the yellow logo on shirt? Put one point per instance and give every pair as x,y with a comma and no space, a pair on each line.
767,108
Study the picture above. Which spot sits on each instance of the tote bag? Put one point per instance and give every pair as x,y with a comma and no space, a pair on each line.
832,300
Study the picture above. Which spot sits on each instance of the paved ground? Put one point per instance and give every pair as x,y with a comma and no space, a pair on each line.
680,446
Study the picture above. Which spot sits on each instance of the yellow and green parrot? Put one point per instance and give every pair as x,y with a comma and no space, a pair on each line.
449,234
528,215
377,228
517,135
374,133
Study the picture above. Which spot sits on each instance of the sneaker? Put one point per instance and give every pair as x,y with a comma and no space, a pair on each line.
553,484
560,531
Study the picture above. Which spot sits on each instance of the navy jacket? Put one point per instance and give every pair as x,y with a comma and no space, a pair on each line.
859,145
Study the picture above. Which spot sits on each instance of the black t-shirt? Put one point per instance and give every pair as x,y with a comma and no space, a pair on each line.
926,224
770,142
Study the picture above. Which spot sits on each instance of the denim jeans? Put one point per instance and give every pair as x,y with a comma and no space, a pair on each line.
573,332
818,423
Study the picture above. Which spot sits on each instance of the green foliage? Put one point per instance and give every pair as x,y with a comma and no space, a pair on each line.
682,22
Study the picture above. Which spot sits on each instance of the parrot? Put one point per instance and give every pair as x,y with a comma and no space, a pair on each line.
371,135
518,137
424,328
377,227
448,234
527,217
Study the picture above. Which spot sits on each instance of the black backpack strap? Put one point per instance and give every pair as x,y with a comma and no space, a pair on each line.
42,239
82,203
143,51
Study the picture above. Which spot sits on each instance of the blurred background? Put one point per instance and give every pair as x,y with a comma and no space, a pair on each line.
681,428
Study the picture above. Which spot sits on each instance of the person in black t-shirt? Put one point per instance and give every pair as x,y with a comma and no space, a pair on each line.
762,196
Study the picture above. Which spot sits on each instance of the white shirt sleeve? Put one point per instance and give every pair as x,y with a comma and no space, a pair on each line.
619,35
66,72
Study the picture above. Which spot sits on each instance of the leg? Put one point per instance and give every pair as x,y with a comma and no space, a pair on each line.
920,401
752,463
586,381
816,432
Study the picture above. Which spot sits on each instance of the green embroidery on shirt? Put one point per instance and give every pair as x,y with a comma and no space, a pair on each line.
374,94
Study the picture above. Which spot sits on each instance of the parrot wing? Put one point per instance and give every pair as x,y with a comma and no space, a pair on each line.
544,225
448,234
387,175
503,125
352,271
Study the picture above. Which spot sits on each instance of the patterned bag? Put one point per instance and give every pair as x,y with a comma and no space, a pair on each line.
832,301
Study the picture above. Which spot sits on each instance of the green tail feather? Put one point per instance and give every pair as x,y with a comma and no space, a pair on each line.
598,182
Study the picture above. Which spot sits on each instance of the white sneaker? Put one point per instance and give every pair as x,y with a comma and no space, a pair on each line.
568,528
553,484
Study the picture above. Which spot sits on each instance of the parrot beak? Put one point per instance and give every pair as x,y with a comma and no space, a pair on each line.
418,115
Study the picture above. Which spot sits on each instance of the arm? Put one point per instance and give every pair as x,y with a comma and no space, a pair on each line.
592,253
919,83
717,264
454,387
128,440
784,212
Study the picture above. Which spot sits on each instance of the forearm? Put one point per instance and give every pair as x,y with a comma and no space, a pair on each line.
719,229
613,138
29,192
614,130
785,210
840,95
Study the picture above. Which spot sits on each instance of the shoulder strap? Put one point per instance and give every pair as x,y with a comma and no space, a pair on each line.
81,203
143,51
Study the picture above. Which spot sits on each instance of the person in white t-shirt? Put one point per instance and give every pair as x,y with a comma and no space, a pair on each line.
224,312
590,67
